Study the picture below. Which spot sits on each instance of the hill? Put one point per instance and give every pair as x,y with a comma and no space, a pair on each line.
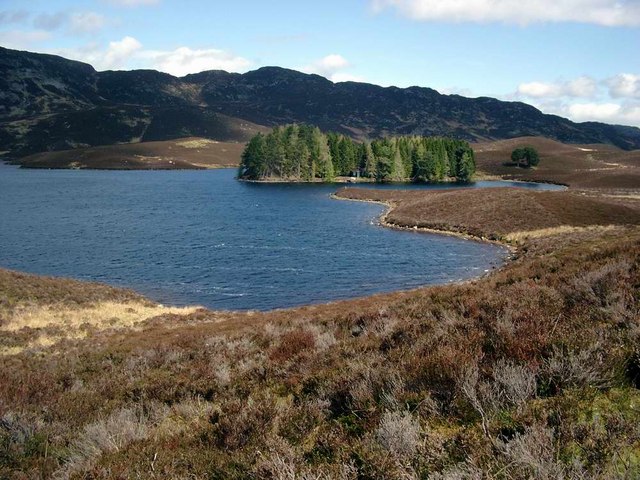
440,210
185,154
50,103
580,166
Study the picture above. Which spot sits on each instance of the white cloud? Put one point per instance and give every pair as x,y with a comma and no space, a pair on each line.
117,55
91,53
585,87
611,100
75,23
129,53
346,77
465,92
120,52
332,67
184,60
23,39
327,66
599,12
8,17
50,21
624,85
87,22
626,114
539,89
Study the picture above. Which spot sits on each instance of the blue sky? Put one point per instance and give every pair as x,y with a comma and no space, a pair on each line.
576,58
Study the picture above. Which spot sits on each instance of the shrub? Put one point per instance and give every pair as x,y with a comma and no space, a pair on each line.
399,433
291,344
513,384
107,435
533,455
575,369
525,157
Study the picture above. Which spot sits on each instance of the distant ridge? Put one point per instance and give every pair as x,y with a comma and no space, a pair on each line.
50,103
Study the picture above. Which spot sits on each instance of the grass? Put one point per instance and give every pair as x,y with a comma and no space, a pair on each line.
497,213
580,166
531,372
38,312
51,324
188,153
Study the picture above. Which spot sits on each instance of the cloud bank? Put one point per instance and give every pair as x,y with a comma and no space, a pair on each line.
129,52
184,60
581,87
614,99
332,67
599,12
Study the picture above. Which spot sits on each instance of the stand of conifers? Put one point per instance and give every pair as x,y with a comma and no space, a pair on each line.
304,153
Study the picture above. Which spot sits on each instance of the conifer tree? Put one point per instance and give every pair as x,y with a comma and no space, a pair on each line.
303,152
398,172
370,169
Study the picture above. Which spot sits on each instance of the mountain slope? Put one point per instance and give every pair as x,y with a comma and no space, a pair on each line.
51,103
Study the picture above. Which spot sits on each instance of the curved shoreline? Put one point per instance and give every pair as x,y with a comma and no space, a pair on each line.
382,221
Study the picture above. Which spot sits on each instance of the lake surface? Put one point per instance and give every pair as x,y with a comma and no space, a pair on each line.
201,237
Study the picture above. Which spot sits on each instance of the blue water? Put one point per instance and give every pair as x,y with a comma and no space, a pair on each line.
201,237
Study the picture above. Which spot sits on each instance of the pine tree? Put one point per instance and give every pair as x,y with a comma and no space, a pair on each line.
466,168
304,153
370,169
326,169
252,163
398,174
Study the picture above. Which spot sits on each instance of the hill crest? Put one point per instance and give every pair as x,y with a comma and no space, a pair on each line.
50,103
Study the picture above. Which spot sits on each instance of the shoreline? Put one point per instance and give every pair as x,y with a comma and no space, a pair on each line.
512,247
382,221
512,251
337,181
122,169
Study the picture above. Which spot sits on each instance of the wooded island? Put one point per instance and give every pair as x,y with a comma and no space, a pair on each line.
302,153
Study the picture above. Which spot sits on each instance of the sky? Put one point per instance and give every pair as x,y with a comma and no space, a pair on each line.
576,58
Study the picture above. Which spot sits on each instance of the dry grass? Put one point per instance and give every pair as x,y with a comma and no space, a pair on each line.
102,315
498,213
51,324
522,237
39,312
188,153
20,289
195,143
580,166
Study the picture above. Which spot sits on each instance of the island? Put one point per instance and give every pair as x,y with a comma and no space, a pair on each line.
302,153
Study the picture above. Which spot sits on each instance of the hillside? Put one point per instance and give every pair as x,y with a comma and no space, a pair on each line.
531,372
440,210
184,154
50,103
591,166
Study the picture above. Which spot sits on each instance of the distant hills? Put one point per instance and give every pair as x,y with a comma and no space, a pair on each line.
49,103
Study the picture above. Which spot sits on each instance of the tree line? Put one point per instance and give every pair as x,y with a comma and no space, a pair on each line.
304,153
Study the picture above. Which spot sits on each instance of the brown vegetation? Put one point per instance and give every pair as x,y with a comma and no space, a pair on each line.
497,213
183,154
40,312
580,166
532,372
